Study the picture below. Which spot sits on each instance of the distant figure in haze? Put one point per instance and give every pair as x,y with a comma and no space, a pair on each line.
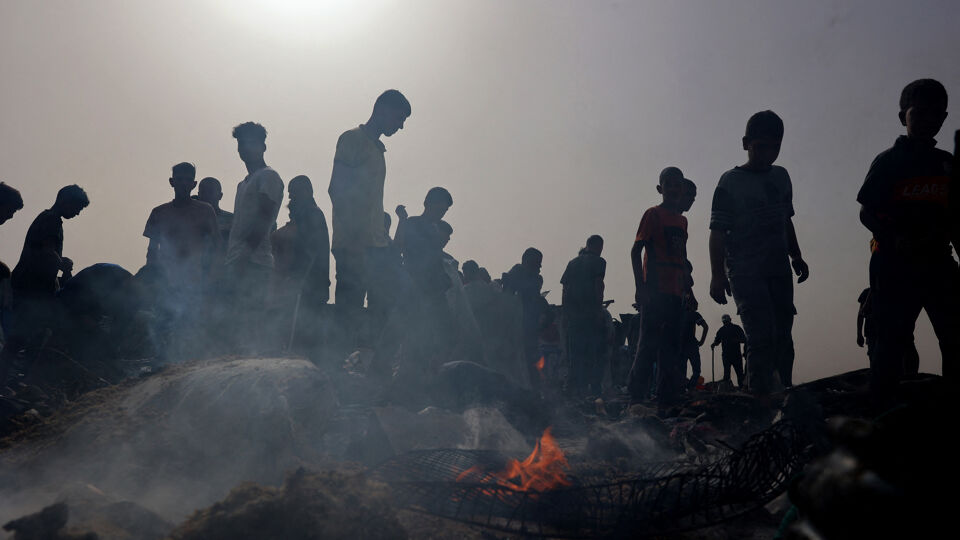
730,336
429,326
659,258
583,317
752,245
691,345
210,192
249,259
313,248
524,281
10,202
301,279
421,242
35,281
183,234
906,204
313,240
356,192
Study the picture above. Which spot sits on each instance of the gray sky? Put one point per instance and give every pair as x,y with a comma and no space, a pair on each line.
547,120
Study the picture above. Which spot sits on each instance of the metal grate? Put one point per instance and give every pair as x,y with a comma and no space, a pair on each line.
661,499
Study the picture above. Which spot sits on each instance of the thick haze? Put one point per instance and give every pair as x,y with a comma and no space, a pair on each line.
548,121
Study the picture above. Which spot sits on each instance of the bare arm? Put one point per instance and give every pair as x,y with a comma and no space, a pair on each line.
719,285
706,328
793,247
636,258
266,209
860,319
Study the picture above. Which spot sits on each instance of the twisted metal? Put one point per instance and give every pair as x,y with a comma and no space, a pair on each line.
661,499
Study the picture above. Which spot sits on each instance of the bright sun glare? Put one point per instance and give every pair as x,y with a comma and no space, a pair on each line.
305,19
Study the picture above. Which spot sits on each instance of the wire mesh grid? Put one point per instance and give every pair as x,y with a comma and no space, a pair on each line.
660,499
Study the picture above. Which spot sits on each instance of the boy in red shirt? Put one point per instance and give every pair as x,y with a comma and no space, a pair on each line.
659,257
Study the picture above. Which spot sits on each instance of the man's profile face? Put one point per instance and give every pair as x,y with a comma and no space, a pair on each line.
299,190
534,263
72,209
250,149
6,212
392,120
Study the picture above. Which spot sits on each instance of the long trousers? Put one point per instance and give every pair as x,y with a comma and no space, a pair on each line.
765,305
900,288
735,362
691,353
661,330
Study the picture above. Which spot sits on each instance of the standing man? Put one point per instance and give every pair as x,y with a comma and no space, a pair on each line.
34,281
583,317
524,281
356,192
183,234
249,258
730,336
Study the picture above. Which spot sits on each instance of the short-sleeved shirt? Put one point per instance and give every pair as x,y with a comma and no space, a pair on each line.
580,280
730,336
40,259
664,234
908,186
183,232
754,209
246,208
356,191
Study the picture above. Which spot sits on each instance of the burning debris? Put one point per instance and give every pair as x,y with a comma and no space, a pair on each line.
544,469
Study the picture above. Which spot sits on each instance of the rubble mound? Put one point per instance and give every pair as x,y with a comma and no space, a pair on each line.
179,439
310,505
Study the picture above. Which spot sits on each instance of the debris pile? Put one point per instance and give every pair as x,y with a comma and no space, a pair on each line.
328,504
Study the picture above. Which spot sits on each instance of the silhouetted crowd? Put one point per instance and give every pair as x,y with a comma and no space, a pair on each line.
221,283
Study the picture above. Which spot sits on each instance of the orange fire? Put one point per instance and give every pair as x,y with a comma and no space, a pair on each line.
543,470
540,363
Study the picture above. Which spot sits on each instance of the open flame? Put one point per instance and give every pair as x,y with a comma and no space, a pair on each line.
540,363
544,469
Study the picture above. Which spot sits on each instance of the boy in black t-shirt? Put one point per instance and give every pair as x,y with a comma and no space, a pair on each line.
905,204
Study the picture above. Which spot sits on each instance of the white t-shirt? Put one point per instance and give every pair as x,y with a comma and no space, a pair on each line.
245,210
